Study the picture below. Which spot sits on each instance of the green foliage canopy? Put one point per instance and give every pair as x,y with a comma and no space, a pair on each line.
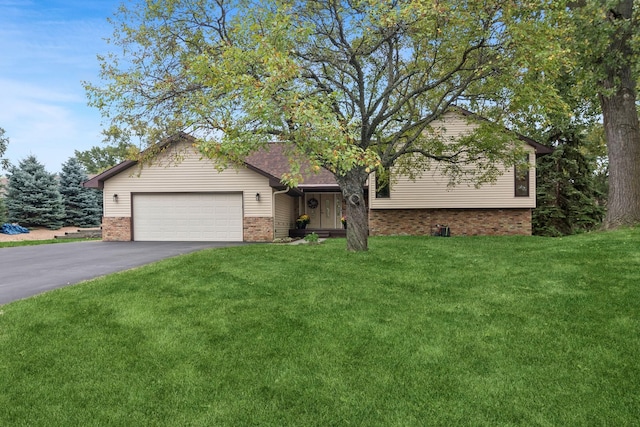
98,159
4,142
604,42
352,87
569,198
347,83
81,205
33,199
118,147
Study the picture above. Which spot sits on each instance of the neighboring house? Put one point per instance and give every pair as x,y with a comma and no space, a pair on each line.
190,200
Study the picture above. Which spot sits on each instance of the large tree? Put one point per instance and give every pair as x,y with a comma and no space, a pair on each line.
82,205
568,195
3,208
4,142
351,86
33,199
98,159
118,147
606,45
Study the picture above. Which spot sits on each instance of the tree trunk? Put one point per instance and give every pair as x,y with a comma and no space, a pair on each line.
622,129
352,186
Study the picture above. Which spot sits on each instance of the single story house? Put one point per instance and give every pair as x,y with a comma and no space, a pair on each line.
191,200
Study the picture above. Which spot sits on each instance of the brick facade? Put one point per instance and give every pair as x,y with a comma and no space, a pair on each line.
462,222
382,222
255,229
116,229
258,229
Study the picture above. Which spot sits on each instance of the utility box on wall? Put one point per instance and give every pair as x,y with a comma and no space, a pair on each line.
441,231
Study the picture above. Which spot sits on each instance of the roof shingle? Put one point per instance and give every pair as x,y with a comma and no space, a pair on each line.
274,161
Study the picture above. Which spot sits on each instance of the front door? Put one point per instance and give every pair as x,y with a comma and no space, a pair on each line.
324,209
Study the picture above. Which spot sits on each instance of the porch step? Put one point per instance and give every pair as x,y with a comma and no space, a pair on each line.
321,232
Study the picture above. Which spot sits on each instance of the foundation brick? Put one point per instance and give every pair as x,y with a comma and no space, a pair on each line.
258,229
462,222
116,229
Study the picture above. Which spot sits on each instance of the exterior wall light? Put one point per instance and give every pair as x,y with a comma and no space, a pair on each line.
257,197
115,198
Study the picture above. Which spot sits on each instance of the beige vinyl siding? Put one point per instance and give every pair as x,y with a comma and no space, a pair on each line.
190,174
284,215
431,190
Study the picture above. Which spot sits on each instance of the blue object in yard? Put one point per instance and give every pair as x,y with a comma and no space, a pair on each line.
13,229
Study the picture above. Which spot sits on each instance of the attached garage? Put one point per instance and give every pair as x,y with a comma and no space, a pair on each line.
214,217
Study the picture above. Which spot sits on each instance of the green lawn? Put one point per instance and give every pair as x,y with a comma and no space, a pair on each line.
40,242
418,331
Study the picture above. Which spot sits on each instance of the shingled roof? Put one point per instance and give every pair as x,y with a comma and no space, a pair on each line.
270,162
273,161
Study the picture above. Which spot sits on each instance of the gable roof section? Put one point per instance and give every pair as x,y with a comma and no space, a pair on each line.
269,162
539,148
272,162
98,180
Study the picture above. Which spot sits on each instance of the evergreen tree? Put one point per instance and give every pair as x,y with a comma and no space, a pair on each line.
33,199
3,208
350,86
569,197
4,141
4,163
81,204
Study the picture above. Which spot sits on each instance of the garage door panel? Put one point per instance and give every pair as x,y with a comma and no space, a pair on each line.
187,217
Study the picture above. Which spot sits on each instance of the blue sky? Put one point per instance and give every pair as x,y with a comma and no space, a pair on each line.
47,48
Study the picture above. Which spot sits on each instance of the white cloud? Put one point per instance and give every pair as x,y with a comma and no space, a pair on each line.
48,48
46,122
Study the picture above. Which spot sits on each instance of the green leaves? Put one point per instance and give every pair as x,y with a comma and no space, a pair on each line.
352,87
326,77
4,141
33,198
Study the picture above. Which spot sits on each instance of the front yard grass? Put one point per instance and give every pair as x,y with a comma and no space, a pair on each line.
418,331
41,242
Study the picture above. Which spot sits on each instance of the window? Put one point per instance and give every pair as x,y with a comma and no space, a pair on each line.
521,180
383,190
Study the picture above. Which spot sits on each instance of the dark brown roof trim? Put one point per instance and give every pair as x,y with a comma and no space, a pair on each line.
98,180
320,188
273,181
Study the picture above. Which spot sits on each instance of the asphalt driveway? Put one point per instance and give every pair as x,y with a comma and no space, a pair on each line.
30,270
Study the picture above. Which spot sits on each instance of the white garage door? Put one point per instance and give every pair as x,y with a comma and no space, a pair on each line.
187,217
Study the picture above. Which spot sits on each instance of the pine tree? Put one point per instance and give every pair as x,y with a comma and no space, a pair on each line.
3,208
4,163
82,205
33,199
569,198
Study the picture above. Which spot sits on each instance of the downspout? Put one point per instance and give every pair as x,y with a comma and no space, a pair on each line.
273,208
